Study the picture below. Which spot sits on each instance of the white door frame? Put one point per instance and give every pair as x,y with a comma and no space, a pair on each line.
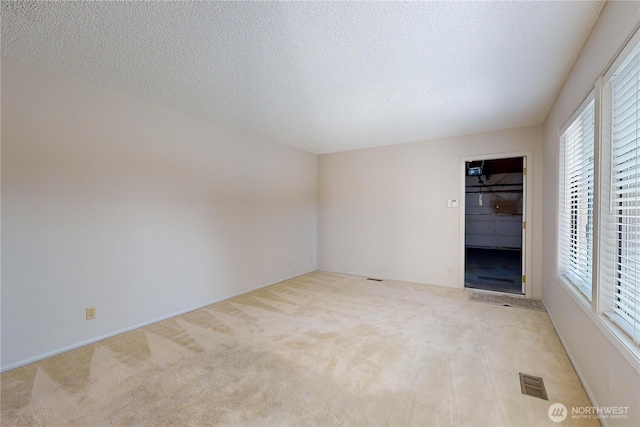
527,212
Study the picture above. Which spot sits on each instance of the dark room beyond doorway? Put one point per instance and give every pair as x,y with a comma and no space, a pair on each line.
494,249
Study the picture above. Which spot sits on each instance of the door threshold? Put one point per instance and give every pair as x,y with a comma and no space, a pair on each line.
489,291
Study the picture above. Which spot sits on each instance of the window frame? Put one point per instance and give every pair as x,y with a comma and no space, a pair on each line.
585,293
599,308
606,202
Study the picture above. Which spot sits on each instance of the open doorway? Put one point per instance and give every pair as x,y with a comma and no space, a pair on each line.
494,223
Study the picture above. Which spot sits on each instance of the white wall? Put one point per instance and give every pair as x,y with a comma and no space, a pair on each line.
382,211
141,211
608,372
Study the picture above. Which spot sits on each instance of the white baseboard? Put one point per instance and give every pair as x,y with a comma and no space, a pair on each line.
139,325
397,279
592,399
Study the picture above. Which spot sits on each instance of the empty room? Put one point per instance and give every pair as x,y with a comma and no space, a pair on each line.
320,213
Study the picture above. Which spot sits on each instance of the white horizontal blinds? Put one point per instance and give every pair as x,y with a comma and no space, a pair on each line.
576,219
624,219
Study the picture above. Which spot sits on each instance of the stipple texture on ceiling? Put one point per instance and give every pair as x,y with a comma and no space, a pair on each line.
320,76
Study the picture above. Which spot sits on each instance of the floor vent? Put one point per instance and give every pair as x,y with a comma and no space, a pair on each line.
533,386
375,280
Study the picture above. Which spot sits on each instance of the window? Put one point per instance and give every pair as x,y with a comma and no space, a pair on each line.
621,222
599,200
575,232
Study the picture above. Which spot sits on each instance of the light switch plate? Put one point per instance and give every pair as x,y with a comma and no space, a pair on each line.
452,203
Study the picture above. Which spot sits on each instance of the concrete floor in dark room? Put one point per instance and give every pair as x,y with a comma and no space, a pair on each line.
494,270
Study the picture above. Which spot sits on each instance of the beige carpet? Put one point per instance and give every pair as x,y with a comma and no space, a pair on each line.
322,349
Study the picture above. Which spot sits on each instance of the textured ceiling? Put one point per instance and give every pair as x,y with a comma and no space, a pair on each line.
321,76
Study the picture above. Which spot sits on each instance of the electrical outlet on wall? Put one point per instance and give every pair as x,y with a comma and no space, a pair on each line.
90,312
450,270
